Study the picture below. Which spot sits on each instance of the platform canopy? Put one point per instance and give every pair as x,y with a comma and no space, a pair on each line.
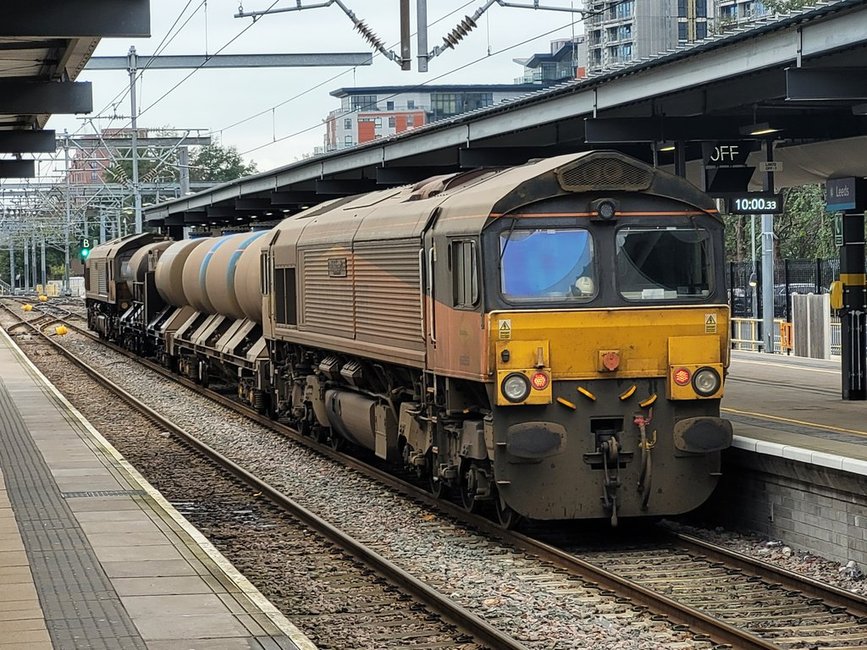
795,82
44,45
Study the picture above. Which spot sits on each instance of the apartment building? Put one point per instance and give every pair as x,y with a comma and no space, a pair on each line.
369,113
621,32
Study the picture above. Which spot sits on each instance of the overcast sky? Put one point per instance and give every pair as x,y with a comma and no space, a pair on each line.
216,99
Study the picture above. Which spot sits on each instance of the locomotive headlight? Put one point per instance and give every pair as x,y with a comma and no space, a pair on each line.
706,381
515,387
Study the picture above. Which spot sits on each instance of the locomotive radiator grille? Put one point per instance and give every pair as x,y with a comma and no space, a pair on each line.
326,296
388,295
600,174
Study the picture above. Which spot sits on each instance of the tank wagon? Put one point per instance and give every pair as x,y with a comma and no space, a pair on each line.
550,338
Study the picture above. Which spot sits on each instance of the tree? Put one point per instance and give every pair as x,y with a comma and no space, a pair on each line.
212,163
218,164
802,231
783,6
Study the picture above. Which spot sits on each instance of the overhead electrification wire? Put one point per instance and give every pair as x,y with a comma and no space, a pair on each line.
199,67
326,81
425,83
164,43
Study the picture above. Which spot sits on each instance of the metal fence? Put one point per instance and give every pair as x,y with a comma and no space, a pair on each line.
790,276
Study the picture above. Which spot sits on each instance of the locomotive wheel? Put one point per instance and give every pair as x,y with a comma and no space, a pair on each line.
436,486
468,491
507,517
337,442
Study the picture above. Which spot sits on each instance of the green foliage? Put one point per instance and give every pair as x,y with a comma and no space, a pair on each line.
782,6
803,231
218,164
213,163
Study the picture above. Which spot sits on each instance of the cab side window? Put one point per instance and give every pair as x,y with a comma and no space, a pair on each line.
465,273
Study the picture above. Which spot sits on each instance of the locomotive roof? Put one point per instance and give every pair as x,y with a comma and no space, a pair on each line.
467,201
114,247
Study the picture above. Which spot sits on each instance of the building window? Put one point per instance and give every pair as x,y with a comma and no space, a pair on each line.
347,140
681,31
626,51
377,123
681,8
392,122
410,104
410,120
364,103
624,9
701,30
447,104
625,32
347,124
389,106
701,8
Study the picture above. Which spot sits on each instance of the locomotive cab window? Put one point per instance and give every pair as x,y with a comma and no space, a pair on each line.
285,297
547,264
666,263
465,274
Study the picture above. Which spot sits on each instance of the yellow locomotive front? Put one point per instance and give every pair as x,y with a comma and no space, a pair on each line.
607,344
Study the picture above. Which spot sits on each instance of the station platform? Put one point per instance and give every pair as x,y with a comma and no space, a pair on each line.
792,407
92,556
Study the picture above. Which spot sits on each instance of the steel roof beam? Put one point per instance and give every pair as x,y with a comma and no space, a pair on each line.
76,18
27,141
293,198
344,187
17,169
826,84
220,212
42,97
184,61
253,205
409,175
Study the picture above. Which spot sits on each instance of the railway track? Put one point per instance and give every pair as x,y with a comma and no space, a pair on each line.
397,609
720,596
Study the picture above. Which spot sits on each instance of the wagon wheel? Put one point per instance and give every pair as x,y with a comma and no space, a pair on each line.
337,442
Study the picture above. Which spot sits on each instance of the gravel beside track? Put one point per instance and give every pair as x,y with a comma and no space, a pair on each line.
532,602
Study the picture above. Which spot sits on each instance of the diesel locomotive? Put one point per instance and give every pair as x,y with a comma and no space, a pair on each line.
551,338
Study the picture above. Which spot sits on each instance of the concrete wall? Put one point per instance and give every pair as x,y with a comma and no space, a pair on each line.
807,507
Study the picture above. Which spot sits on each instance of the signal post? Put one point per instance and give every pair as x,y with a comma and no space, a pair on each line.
849,196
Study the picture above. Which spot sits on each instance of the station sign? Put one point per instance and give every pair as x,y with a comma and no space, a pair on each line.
845,194
771,166
755,203
726,154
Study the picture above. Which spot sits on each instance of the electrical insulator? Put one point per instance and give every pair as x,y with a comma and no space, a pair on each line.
462,29
368,35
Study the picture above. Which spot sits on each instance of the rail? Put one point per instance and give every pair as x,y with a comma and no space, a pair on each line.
447,608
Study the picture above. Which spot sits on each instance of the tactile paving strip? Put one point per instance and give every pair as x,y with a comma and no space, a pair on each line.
81,607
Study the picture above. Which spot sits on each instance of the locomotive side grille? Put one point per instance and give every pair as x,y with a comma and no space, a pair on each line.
388,293
102,278
326,292
600,173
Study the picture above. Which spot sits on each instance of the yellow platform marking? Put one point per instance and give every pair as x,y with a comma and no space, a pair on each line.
777,418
